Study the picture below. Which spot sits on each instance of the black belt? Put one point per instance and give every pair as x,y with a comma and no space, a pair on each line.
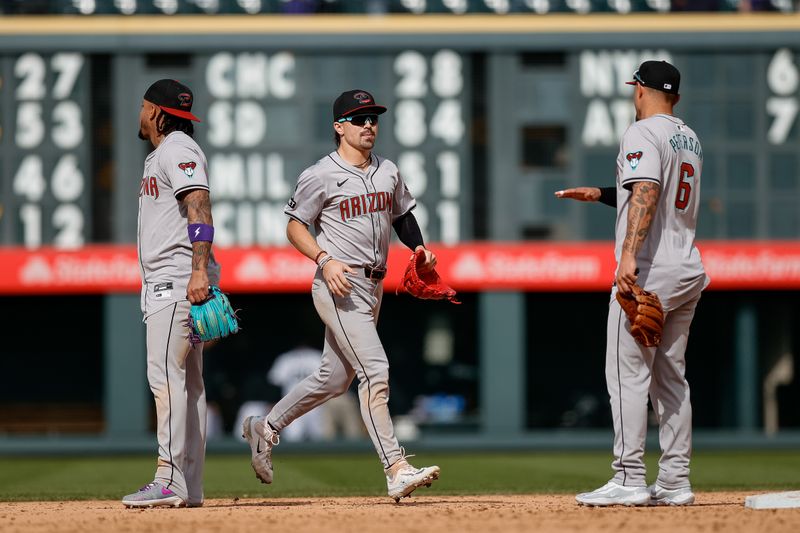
377,273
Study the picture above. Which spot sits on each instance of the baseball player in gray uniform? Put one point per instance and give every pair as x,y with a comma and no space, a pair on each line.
657,197
353,198
177,265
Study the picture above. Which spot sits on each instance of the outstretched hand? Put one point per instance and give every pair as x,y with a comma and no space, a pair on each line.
583,194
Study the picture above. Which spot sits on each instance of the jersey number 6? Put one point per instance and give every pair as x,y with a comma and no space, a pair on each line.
684,187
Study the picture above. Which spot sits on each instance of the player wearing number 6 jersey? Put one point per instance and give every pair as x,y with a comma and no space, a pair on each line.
657,199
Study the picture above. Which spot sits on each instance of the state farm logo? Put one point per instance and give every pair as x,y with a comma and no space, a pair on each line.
252,268
36,271
469,266
274,269
88,270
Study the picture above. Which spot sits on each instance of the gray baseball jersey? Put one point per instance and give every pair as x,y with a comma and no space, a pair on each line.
165,253
174,365
664,150
351,210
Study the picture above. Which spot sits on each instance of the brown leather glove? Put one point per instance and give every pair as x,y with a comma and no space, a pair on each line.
424,285
645,314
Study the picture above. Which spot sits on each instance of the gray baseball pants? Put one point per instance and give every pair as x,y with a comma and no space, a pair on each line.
175,374
352,348
632,373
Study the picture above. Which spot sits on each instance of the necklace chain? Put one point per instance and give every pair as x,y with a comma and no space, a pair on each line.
363,164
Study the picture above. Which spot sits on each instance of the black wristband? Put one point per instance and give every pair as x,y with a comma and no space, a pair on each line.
608,196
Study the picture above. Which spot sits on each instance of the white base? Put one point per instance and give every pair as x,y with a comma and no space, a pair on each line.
774,500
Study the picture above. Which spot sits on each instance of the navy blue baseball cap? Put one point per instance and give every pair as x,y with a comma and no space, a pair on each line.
658,75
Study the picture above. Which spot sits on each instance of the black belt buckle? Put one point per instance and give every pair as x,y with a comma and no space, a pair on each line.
377,273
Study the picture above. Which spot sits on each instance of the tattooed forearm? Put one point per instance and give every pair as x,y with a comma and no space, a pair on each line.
642,208
198,211
198,207
200,252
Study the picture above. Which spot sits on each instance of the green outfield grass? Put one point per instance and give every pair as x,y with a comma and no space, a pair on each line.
68,478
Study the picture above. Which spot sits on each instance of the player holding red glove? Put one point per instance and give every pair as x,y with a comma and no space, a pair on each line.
353,198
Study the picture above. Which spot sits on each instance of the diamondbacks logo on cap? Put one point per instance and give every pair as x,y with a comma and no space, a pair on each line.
185,100
363,98
633,158
188,167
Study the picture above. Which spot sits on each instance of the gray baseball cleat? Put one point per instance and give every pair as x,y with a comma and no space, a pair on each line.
661,496
402,479
261,438
153,495
613,493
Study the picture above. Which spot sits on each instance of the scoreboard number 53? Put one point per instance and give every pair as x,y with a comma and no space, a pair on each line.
49,126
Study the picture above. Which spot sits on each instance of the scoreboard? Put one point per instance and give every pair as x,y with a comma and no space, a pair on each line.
269,115
488,116
744,107
743,104
46,142
266,116
483,123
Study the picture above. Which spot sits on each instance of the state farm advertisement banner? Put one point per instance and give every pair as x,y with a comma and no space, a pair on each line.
546,266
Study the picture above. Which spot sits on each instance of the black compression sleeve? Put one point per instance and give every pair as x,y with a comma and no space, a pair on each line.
608,196
408,230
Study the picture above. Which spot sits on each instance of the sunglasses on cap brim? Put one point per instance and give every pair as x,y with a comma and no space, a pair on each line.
636,79
360,120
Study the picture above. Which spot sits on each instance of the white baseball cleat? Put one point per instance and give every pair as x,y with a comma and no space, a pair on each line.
153,495
261,438
613,493
402,479
661,496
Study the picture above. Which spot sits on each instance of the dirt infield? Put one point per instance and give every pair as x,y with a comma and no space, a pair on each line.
713,512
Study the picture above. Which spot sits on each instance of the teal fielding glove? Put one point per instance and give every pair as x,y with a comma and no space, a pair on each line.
212,319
